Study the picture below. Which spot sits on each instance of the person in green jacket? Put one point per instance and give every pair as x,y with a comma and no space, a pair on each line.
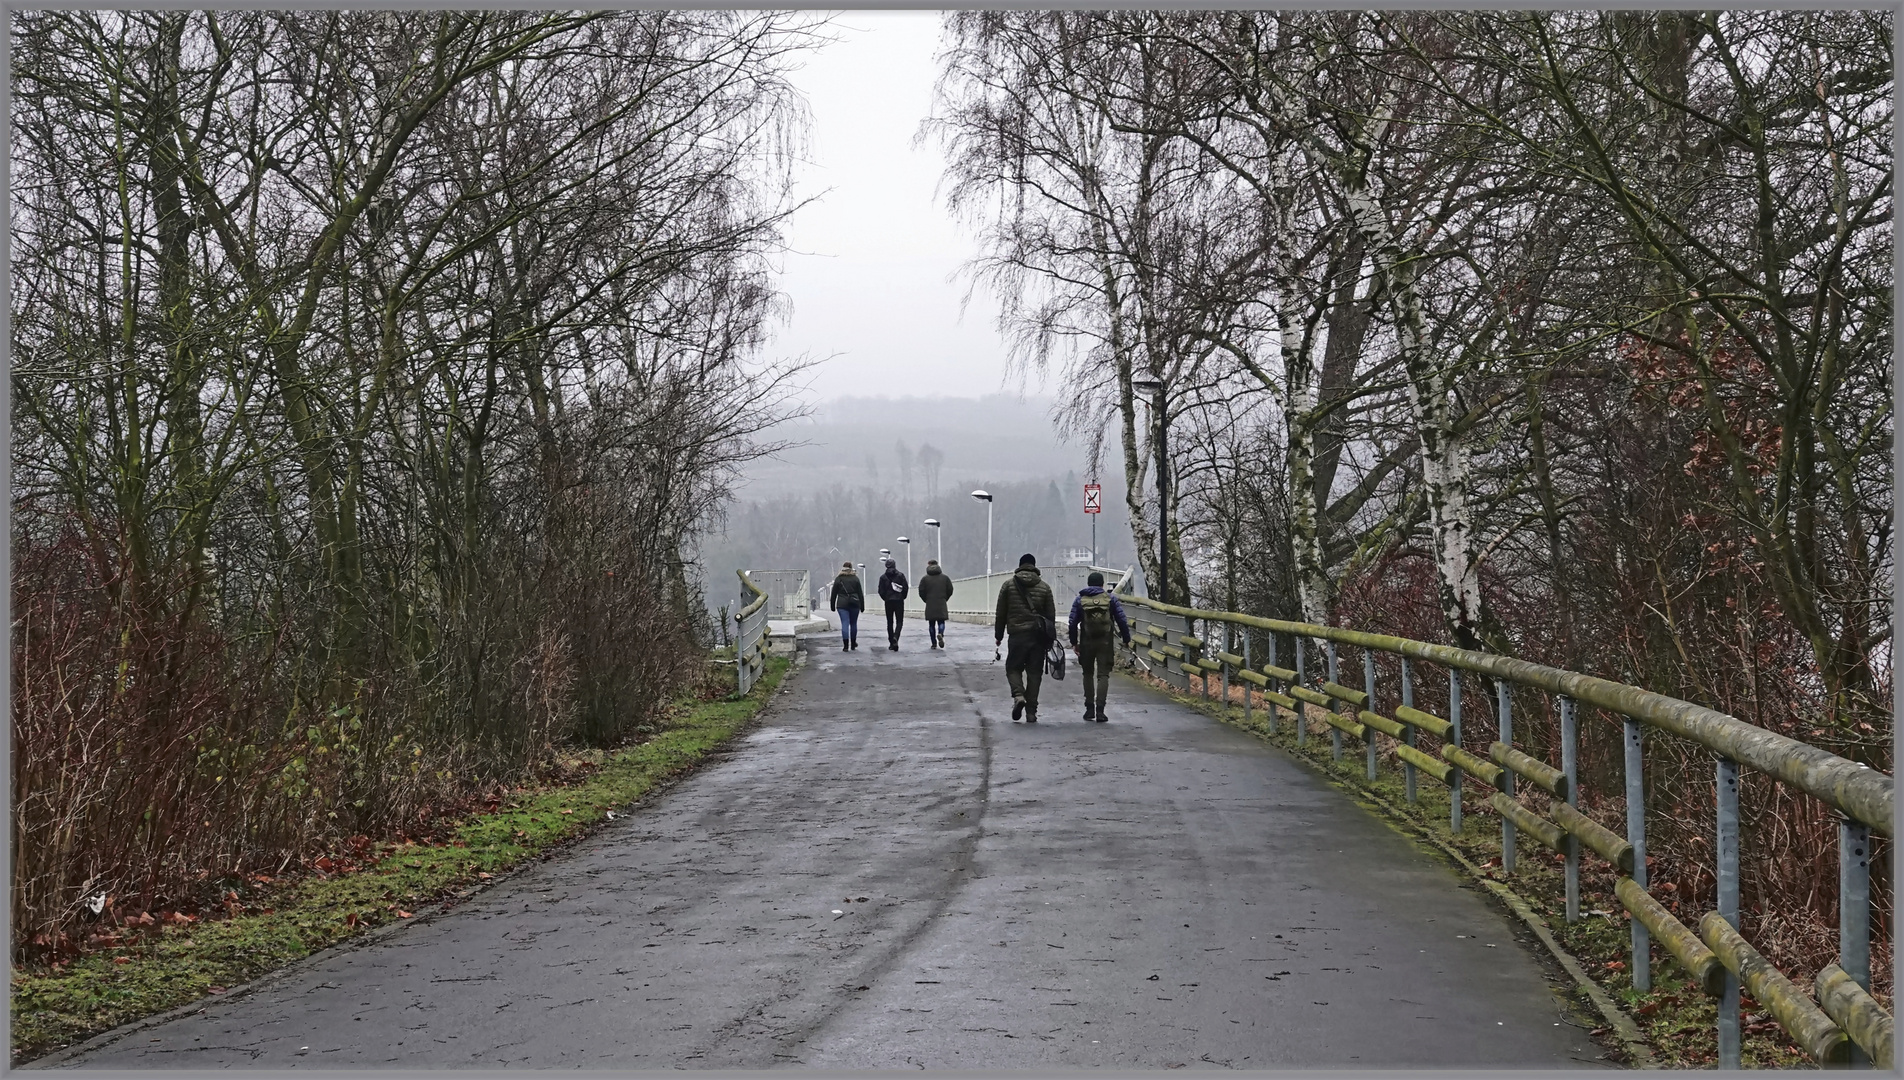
935,589
1096,621
1028,611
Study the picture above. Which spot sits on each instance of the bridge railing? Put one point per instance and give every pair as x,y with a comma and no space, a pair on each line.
1851,1027
789,592
750,639
975,599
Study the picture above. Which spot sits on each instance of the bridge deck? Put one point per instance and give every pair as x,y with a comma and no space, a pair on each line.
1156,891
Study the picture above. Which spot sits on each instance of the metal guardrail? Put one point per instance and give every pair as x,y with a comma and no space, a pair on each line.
1851,1027
789,592
750,638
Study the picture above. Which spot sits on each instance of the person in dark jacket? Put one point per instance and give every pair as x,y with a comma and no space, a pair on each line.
893,589
935,589
1027,610
848,599
1095,617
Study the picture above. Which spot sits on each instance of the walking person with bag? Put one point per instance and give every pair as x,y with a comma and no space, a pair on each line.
1097,619
893,589
935,590
1026,610
848,599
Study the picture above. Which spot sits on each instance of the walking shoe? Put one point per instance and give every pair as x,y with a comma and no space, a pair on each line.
1018,708
1031,714
1089,712
845,647
1100,716
855,643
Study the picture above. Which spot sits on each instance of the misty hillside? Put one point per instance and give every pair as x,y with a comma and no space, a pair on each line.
854,442
873,469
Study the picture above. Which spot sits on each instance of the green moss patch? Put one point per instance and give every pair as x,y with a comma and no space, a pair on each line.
290,920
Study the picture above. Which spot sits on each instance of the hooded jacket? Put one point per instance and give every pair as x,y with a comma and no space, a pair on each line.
893,587
847,592
1019,614
1117,613
934,590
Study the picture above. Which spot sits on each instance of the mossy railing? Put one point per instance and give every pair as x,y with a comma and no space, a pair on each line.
1850,1028
750,638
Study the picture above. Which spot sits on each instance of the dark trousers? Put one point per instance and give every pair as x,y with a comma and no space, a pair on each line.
1095,659
1025,667
895,617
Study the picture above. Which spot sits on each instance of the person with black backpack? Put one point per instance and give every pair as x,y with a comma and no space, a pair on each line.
1096,619
1028,611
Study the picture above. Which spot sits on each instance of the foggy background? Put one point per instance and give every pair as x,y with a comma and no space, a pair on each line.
872,469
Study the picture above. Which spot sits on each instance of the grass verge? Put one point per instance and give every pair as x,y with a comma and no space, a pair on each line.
288,920
1675,1018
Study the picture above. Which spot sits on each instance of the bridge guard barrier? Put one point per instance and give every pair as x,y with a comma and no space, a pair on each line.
750,642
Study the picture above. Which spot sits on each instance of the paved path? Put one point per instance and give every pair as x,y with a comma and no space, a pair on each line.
889,873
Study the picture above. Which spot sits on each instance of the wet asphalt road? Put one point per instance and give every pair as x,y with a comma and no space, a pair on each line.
1153,892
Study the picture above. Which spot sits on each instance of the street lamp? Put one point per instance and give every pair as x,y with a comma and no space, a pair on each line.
1156,387
940,533
986,497
908,542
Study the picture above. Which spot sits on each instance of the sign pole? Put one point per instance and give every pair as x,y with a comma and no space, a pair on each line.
1093,505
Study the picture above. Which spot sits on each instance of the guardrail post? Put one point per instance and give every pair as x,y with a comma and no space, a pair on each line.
1164,620
1203,673
1302,679
1408,733
1504,708
1454,739
1568,766
1276,684
1368,685
1246,682
1335,733
1229,640
1854,910
1169,622
1636,835
1726,848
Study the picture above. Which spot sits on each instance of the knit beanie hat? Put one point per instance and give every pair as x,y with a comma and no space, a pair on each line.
1096,578
1027,560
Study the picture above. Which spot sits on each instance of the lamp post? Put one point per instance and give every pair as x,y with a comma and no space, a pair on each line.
908,542
885,555
940,533
986,497
1156,387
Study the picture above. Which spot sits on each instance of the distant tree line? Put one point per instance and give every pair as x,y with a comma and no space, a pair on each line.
1564,334
373,374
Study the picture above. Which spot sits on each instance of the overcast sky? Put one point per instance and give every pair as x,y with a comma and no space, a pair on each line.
870,276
